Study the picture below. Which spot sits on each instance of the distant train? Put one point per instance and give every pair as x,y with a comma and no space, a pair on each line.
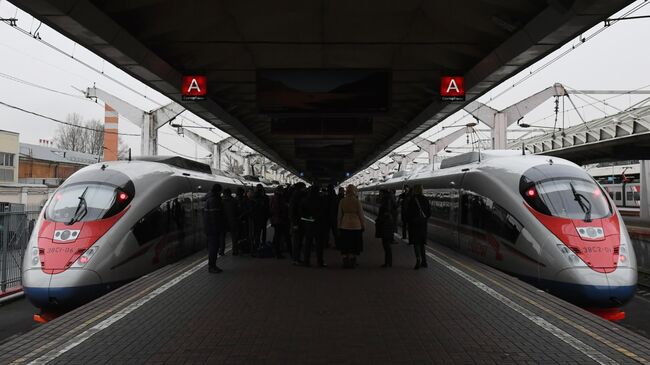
621,183
544,220
113,222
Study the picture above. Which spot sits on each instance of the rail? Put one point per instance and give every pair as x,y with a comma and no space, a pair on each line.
15,230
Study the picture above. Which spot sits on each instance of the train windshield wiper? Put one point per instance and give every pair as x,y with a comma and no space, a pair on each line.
584,203
82,209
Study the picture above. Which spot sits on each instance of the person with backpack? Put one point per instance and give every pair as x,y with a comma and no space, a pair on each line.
417,214
386,223
214,226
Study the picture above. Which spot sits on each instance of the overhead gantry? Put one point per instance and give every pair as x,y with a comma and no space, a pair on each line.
148,121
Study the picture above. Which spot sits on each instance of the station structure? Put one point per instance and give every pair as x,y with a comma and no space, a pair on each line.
265,311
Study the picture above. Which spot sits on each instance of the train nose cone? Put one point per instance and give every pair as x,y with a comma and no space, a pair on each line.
68,289
588,288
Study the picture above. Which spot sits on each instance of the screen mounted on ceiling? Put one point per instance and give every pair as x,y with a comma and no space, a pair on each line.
315,91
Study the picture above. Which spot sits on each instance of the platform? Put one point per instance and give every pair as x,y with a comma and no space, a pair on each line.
265,311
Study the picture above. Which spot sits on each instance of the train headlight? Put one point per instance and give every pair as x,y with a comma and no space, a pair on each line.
36,259
570,255
83,259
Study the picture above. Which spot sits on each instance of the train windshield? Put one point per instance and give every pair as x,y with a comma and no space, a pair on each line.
573,197
86,202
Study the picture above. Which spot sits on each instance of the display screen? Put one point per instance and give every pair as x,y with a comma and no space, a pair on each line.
314,91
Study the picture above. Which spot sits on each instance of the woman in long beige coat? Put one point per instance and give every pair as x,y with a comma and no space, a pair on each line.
351,225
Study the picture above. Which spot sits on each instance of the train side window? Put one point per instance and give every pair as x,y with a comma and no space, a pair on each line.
618,195
158,222
611,194
440,205
484,214
637,196
629,195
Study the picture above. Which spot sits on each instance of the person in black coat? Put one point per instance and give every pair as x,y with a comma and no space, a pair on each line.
260,213
403,201
214,225
231,211
417,215
280,222
386,224
245,221
297,231
313,218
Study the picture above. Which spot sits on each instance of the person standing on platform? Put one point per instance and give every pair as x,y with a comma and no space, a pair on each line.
260,217
214,229
231,212
403,201
386,224
280,222
351,225
312,217
297,231
332,204
244,207
417,214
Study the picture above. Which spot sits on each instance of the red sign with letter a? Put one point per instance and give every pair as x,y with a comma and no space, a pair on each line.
194,87
452,88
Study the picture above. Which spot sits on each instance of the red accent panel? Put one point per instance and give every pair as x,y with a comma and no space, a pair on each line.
599,254
58,256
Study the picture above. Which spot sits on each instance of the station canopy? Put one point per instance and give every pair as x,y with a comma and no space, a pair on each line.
324,87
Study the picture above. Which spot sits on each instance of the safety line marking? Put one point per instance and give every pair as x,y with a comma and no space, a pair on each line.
541,322
549,327
569,322
80,338
95,318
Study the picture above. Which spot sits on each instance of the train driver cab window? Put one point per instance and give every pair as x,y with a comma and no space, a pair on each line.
563,192
86,202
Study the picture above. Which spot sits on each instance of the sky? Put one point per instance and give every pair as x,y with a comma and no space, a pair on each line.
615,59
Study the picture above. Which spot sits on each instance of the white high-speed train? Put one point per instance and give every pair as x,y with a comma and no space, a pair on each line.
112,222
542,219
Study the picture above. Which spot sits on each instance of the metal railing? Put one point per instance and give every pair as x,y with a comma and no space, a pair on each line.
15,230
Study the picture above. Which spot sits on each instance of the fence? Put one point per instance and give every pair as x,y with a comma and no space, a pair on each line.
15,229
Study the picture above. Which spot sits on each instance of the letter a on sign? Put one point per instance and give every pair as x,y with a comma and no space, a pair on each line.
194,87
452,88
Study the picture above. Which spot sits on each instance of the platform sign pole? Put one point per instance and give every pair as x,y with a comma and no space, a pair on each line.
644,182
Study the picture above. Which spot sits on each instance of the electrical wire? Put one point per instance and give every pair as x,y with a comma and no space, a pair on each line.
583,40
28,83
92,68
178,153
65,123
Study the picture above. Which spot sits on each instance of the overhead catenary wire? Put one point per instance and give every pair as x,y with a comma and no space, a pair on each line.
96,70
65,123
583,40
28,83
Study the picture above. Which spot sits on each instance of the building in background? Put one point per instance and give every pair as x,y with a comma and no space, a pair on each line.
9,149
48,165
29,173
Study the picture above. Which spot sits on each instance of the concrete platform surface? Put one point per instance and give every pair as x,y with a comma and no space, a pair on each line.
266,311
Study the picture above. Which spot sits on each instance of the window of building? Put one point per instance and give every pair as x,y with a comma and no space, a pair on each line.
6,159
6,175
